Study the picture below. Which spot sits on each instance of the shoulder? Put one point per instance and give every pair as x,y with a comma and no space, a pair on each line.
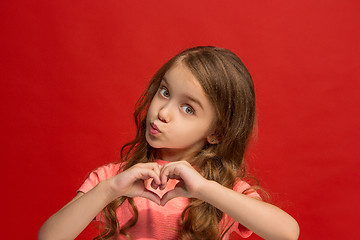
100,174
243,187
106,171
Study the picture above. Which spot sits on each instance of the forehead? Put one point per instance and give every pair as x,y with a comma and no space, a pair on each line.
183,81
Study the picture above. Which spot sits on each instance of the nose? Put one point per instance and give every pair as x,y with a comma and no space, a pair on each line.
164,113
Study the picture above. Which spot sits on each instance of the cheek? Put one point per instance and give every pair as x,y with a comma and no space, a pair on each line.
151,108
190,131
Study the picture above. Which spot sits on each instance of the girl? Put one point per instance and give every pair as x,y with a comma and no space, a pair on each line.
182,177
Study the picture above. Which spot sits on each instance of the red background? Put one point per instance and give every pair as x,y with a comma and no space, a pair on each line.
71,72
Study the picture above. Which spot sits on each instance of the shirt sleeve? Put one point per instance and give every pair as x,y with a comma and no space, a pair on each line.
238,230
96,176
100,174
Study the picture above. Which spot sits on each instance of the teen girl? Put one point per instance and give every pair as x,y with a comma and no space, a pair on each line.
182,177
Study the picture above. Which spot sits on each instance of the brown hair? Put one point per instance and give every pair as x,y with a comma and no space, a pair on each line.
229,87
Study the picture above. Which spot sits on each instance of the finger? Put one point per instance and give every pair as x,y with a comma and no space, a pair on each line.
146,173
154,185
150,165
174,176
168,196
153,166
164,177
156,167
151,196
169,171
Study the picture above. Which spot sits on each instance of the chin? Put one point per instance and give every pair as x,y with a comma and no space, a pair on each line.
151,142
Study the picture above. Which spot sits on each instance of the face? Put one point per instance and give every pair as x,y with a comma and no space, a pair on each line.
180,117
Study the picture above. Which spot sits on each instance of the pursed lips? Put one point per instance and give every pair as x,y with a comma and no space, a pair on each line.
154,130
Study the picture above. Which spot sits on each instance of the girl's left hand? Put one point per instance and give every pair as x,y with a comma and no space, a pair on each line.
190,185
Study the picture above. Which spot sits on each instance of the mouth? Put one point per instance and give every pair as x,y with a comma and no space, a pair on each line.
153,129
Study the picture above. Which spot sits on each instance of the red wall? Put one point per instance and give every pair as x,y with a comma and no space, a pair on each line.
71,72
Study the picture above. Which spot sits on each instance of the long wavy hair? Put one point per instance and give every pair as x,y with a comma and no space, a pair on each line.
228,85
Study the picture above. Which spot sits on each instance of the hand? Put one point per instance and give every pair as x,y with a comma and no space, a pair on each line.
190,183
130,183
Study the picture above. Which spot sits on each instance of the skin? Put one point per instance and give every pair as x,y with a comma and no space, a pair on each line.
185,127
183,113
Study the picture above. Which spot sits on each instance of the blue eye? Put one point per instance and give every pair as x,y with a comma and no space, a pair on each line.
164,92
188,110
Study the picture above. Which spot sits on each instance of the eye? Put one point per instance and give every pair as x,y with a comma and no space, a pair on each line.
164,92
188,110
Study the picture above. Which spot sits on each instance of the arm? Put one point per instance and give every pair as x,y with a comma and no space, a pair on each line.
264,219
73,218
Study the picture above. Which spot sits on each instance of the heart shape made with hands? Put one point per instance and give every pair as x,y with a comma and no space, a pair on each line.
162,182
174,188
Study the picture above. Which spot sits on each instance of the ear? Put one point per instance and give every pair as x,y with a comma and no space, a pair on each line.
213,138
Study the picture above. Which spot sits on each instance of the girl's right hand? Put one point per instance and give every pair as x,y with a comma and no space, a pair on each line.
130,183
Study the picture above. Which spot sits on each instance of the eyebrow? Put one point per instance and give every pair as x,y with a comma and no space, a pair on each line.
164,79
192,99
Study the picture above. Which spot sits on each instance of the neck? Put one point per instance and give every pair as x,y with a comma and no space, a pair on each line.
173,155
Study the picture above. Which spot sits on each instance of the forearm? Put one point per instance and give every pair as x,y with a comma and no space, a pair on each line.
72,219
266,220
